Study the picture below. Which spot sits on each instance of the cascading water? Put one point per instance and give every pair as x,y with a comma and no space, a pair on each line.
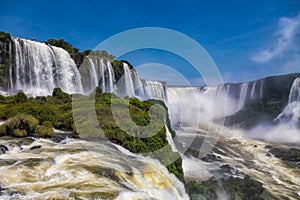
40,68
76,169
97,72
242,96
154,90
253,95
93,74
111,77
129,86
291,112
295,91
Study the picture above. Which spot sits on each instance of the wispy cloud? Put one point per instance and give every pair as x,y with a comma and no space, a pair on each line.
285,45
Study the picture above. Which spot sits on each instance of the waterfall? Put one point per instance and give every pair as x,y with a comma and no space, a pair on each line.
40,68
242,96
69,76
295,91
129,86
253,94
138,85
291,112
261,89
110,77
154,90
93,75
10,67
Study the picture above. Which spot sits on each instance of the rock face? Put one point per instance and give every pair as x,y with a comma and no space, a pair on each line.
5,59
275,96
290,154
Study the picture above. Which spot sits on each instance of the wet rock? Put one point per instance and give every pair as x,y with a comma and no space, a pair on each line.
35,147
268,154
3,149
287,154
234,188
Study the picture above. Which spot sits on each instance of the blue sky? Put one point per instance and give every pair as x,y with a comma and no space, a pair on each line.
247,40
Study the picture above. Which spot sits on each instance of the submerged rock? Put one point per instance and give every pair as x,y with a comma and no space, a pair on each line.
3,149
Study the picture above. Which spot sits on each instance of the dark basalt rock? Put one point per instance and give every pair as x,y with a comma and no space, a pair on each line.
233,188
290,154
276,91
3,149
35,147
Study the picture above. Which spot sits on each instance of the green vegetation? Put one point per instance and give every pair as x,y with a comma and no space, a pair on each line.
76,54
37,116
6,58
20,97
119,69
65,45
21,125
44,131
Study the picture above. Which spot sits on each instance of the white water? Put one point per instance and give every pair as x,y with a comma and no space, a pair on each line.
83,170
288,121
242,96
193,105
129,86
100,74
295,91
154,90
40,68
257,90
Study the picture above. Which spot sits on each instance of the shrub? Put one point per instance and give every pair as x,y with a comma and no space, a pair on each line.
45,131
19,133
21,125
3,130
20,97
48,124
2,99
59,94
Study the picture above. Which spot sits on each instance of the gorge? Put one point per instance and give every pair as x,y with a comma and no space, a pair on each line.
246,153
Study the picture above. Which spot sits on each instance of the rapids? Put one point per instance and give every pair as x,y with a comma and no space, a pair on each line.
76,169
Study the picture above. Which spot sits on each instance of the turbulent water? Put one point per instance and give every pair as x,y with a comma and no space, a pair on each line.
244,156
75,169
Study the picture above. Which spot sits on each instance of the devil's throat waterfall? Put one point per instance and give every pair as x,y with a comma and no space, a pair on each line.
256,155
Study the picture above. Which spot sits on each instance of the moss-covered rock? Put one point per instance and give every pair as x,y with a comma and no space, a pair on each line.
44,131
19,133
21,125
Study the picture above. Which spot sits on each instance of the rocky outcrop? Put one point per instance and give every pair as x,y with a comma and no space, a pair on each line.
275,95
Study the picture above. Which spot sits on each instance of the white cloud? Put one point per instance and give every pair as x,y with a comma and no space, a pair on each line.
285,43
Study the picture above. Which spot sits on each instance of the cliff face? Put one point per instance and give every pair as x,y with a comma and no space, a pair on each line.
6,57
275,95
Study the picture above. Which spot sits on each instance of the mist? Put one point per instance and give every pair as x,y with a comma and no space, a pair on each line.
286,128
